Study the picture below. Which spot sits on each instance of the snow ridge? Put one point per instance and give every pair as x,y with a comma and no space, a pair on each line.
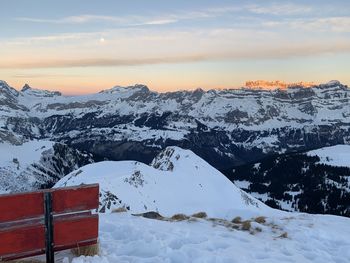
188,185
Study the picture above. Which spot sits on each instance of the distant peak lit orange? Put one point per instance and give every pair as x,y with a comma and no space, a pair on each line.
277,84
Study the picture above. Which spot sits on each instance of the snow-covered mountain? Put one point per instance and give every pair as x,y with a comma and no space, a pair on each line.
316,181
178,181
224,127
37,164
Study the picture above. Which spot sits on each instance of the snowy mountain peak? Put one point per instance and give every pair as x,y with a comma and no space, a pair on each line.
29,91
128,89
333,83
277,84
3,82
176,159
165,159
7,90
25,87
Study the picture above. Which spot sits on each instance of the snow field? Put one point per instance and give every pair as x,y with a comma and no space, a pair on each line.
311,238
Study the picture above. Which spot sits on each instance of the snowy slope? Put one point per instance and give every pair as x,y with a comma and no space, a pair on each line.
177,182
310,238
338,155
16,164
36,164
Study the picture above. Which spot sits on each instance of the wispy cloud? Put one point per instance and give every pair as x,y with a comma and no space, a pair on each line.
281,9
84,19
160,19
135,46
81,19
102,62
271,51
335,24
324,24
284,9
46,75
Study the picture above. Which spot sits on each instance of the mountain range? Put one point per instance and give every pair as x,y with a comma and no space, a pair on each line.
227,128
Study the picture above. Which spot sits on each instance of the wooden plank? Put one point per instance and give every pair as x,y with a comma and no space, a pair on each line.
73,231
78,198
21,206
22,232
28,239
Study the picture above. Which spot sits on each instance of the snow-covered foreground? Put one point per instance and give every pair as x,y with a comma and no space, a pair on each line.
311,238
178,181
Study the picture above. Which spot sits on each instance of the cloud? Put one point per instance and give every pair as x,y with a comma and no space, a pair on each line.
102,62
136,20
279,9
157,22
81,19
267,51
118,20
45,75
170,18
335,24
325,24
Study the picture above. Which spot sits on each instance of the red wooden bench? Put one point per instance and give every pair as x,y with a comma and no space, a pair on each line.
46,221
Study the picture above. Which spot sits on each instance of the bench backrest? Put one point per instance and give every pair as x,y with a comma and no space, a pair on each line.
23,223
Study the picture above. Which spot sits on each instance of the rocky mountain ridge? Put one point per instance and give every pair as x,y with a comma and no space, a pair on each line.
224,127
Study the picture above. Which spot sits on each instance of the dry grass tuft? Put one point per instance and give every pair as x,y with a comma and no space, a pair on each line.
179,217
200,215
246,225
260,220
237,220
120,210
91,250
284,235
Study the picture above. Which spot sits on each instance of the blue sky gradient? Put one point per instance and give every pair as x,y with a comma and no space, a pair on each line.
85,46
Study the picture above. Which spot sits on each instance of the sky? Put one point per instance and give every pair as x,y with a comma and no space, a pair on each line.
84,46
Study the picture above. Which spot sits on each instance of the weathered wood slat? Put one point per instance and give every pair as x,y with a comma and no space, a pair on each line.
22,239
21,206
77,198
73,231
